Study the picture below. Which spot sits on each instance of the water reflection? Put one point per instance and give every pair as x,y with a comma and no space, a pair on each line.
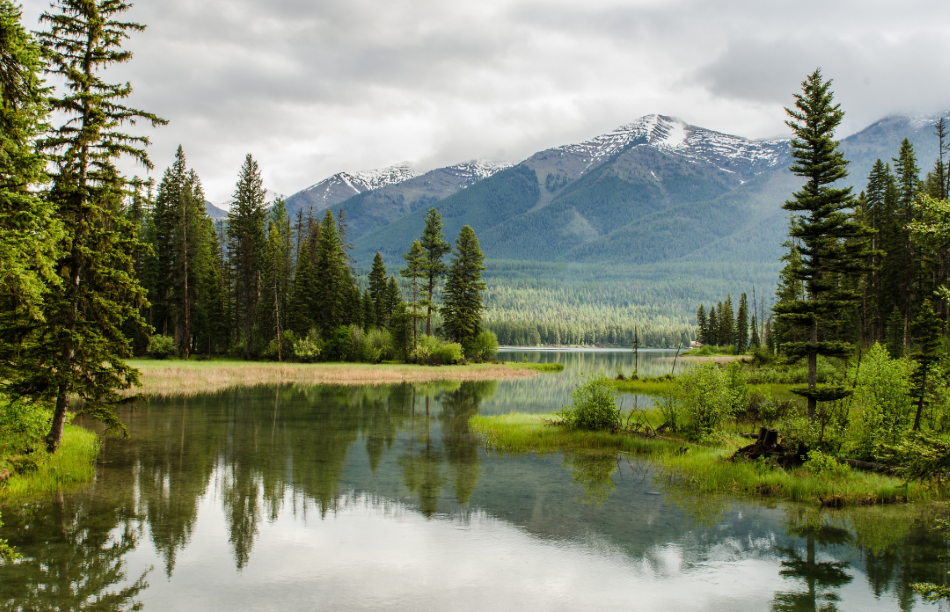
238,496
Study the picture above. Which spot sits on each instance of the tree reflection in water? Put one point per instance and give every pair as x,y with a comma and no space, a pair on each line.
72,559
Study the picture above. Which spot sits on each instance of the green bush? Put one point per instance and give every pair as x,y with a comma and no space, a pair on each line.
288,340
29,420
483,348
161,347
376,345
707,396
825,465
882,402
308,349
435,351
592,405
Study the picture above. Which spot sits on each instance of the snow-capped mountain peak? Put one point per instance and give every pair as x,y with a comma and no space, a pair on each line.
477,169
365,180
677,137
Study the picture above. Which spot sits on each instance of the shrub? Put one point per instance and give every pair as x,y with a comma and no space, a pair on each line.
161,347
376,345
435,351
484,347
824,465
708,397
308,349
592,405
286,353
883,402
24,418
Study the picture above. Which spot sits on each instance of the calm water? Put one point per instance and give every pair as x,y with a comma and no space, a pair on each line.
368,498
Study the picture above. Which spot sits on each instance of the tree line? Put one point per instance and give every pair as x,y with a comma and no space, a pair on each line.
98,267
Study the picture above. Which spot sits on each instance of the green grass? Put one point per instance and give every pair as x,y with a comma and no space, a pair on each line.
661,385
72,465
702,469
537,367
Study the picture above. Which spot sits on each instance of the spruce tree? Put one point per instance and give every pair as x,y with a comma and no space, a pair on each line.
79,351
824,224
30,232
414,272
703,324
712,336
462,309
369,311
377,289
927,333
246,242
727,323
392,300
332,277
742,325
434,248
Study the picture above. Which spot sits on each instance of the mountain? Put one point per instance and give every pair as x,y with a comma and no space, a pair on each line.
343,185
572,203
214,212
387,200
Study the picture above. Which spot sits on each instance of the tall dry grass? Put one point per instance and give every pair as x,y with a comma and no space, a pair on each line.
184,378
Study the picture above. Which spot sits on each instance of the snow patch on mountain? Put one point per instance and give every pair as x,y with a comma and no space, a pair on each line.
675,136
472,171
365,180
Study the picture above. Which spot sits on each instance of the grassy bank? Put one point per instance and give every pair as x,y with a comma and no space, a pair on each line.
703,469
165,378
72,465
663,385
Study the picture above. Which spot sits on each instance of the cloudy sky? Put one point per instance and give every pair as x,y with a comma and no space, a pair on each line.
313,87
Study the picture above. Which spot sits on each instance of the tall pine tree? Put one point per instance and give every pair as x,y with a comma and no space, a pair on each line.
462,309
245,247
823,226
80,349
434,249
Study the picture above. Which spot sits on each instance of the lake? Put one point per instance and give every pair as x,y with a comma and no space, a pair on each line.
379,497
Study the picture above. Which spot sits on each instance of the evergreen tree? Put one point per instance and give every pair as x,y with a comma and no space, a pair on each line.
377,289
727,323
332,277
742,325
369,311
275,276
712,335
462,312
927,332
434,249
755,341
703,324
913,282
303,295
393,299
245,246
30,232
79,351
823,225
414,272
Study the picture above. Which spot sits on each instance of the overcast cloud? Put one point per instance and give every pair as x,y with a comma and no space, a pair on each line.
313,87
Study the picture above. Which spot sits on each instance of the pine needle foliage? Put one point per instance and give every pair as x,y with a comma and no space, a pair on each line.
462,309
79,350
823,227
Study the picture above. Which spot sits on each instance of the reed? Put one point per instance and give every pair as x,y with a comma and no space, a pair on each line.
177,378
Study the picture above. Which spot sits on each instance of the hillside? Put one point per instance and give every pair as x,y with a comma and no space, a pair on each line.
638,225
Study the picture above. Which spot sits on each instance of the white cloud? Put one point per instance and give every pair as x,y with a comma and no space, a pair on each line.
312,88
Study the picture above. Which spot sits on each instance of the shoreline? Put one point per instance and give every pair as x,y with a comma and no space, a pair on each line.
168,378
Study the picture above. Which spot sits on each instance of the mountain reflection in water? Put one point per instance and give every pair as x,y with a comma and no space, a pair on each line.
380,496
